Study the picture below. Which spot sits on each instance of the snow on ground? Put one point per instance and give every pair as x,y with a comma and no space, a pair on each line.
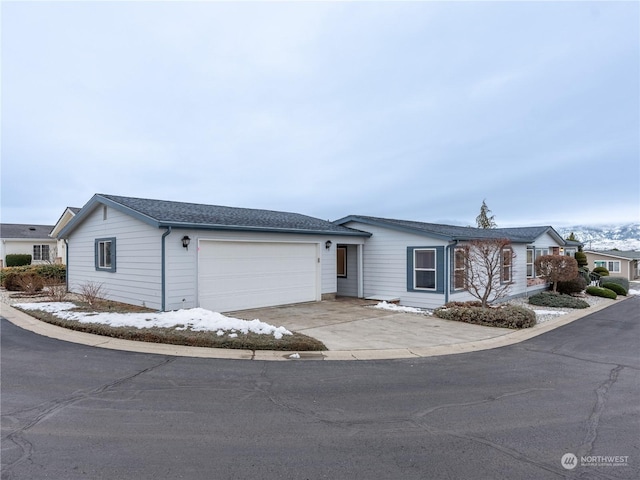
196,319
550,312
397,308
633,292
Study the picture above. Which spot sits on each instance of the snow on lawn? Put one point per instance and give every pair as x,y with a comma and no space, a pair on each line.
197,319
549,312
397,308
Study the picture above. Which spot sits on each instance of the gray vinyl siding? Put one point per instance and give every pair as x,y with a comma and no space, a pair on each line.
348,286
136,279
182,264
385,265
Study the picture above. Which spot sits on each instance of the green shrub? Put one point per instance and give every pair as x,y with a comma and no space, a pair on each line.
623,282
550,299
18,259
619,289
27,282
20,278
505,316
53,272
581,258
602,271
584,273
602,292
576,285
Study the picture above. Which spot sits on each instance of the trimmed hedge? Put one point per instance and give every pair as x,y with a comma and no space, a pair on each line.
550,299
18,259
623,282
576,285
507,316
16,278
619,289
602,292
602,271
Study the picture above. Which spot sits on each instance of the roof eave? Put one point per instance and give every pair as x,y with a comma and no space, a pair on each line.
393,226
241,228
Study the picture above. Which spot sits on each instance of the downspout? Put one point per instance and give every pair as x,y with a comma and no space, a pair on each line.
66,262
163,270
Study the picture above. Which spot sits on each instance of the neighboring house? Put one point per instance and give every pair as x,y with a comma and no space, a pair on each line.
386,268
28,239
65,218
171,255
619,263
571,247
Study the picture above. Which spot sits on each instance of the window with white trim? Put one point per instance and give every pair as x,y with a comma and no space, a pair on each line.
612,265
424,269
105,254
459,268
530,264
41,252
507,264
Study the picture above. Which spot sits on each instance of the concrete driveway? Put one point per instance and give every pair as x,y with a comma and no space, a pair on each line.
351,329
354,324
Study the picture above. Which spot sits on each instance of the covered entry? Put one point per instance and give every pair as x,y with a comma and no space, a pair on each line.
238,275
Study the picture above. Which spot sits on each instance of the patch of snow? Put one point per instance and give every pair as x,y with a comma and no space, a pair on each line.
294,355
196,319
398,308
633,292
549,312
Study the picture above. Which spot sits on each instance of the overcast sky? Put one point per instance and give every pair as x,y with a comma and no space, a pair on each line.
410,110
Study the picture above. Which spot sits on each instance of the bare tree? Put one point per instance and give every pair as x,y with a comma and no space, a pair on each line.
556,268
488,269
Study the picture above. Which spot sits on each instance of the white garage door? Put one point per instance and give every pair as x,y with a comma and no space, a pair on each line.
242,275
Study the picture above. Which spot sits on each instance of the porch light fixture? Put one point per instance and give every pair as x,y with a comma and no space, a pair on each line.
327,244
185,241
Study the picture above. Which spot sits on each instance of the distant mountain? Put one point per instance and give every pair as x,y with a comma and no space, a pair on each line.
605,237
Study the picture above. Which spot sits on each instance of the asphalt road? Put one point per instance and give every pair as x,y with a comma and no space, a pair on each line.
76,412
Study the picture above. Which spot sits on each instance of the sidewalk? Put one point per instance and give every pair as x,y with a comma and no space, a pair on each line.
371,335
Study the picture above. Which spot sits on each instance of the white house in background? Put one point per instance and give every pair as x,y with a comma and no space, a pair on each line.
171,255
619,263
415,262
61,247
27,239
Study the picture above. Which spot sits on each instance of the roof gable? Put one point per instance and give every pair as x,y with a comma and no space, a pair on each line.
163,213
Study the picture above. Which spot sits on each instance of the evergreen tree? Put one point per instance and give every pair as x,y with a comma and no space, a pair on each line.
572,237
484,220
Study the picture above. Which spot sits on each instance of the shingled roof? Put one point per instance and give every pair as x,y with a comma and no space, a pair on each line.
163,213
453,232
24,231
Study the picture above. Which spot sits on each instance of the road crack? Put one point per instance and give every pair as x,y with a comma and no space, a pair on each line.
51,408
602,394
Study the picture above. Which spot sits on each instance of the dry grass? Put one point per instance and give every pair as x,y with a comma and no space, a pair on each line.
251,341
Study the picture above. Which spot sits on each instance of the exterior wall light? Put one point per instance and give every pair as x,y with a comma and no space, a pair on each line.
185,241
327,244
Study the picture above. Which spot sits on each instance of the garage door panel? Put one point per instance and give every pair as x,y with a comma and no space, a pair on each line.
241,275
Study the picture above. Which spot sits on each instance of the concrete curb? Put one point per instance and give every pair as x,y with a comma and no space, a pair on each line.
34,325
